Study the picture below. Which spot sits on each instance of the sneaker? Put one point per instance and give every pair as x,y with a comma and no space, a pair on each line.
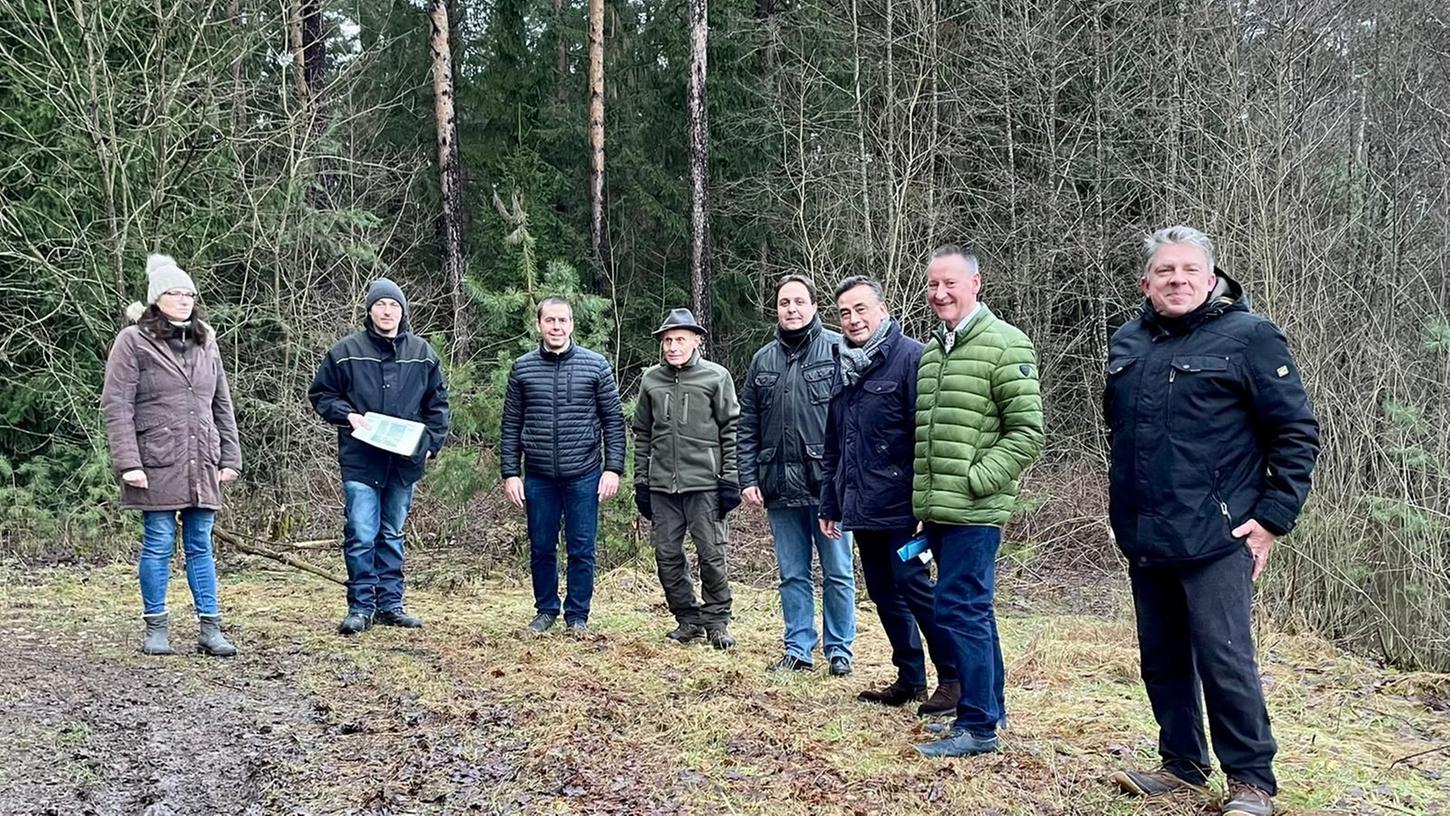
577,627
720,637
354,622
542,622
790,663
942,701
840,666
1247,800
1154,783
897,694
397,617
959,742
685,633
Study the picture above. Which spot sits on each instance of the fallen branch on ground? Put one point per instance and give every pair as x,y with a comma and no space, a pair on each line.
242,545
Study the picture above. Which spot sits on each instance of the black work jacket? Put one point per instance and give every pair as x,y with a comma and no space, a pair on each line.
783,417
1209,426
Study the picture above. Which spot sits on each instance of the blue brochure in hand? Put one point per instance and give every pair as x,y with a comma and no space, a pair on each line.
912,548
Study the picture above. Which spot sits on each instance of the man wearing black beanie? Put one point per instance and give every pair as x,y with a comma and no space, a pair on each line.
386,369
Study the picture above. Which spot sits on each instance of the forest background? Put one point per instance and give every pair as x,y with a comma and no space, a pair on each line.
288,151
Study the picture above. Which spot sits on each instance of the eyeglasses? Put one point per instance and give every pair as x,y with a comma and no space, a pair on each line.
180,293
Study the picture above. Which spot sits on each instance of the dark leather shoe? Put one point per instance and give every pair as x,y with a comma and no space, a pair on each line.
397,617
942,701
790,663
840,666
1247,800
577,627
354,622
542,622
895,695
685,633
1153,783
959,742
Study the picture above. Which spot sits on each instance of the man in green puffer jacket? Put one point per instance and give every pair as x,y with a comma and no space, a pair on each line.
978,427
686,478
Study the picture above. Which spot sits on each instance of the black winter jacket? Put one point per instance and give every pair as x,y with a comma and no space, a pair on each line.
871,441
783,418
556,408
400,377
1209,427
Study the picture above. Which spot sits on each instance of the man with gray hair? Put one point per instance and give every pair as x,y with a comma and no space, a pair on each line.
1212,446
870,442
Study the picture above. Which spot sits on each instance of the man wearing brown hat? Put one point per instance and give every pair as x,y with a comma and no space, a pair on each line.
686,477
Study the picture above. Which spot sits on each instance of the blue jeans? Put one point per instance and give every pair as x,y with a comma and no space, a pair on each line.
966,582
575,502
794,530
158,542
372,545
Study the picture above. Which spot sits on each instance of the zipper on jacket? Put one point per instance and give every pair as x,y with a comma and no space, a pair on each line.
675,448
554,412
1222,505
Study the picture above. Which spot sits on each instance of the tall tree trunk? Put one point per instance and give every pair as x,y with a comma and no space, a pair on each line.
450,175
295,45
561,52
698,128
314,46
596,146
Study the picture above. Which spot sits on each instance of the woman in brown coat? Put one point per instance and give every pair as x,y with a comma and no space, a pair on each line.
173,442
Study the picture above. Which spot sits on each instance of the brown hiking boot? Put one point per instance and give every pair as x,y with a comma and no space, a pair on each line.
942,701
896,694
1247,800
1154,783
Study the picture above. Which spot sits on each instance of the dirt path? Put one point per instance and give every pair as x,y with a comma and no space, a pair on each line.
87,730
470,715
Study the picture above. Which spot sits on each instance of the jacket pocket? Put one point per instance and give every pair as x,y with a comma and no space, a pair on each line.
159,446
818,383
1117,391
815,465
1200,389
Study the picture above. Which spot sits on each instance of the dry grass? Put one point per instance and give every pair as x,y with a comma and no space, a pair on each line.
473,715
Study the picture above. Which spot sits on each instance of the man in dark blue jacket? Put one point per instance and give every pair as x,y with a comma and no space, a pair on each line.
782,430
870,433
561,400
386,369
1213,444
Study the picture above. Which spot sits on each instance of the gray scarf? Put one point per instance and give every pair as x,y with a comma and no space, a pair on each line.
856,359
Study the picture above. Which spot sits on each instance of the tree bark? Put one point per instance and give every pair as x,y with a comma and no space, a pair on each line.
450,175
561,52
596,146
698,128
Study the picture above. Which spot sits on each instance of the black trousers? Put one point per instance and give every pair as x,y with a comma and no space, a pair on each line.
1195,635
903,593
697,513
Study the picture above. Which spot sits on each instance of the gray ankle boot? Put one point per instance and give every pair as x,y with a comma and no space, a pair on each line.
209,638
154,641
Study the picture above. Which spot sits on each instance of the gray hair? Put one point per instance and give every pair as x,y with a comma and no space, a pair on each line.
861,280
1177,234
968,255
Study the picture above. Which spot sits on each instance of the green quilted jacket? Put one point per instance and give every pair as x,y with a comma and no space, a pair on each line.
978,423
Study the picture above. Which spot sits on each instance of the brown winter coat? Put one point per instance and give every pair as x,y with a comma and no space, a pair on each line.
173,423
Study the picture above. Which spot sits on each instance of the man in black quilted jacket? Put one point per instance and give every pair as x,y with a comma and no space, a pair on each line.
561,402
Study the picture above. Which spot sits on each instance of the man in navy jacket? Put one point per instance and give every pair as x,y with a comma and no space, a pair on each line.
561,401
870,433
383,368
1213,444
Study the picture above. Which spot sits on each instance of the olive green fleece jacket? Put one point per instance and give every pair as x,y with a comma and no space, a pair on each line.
978,423
685,427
